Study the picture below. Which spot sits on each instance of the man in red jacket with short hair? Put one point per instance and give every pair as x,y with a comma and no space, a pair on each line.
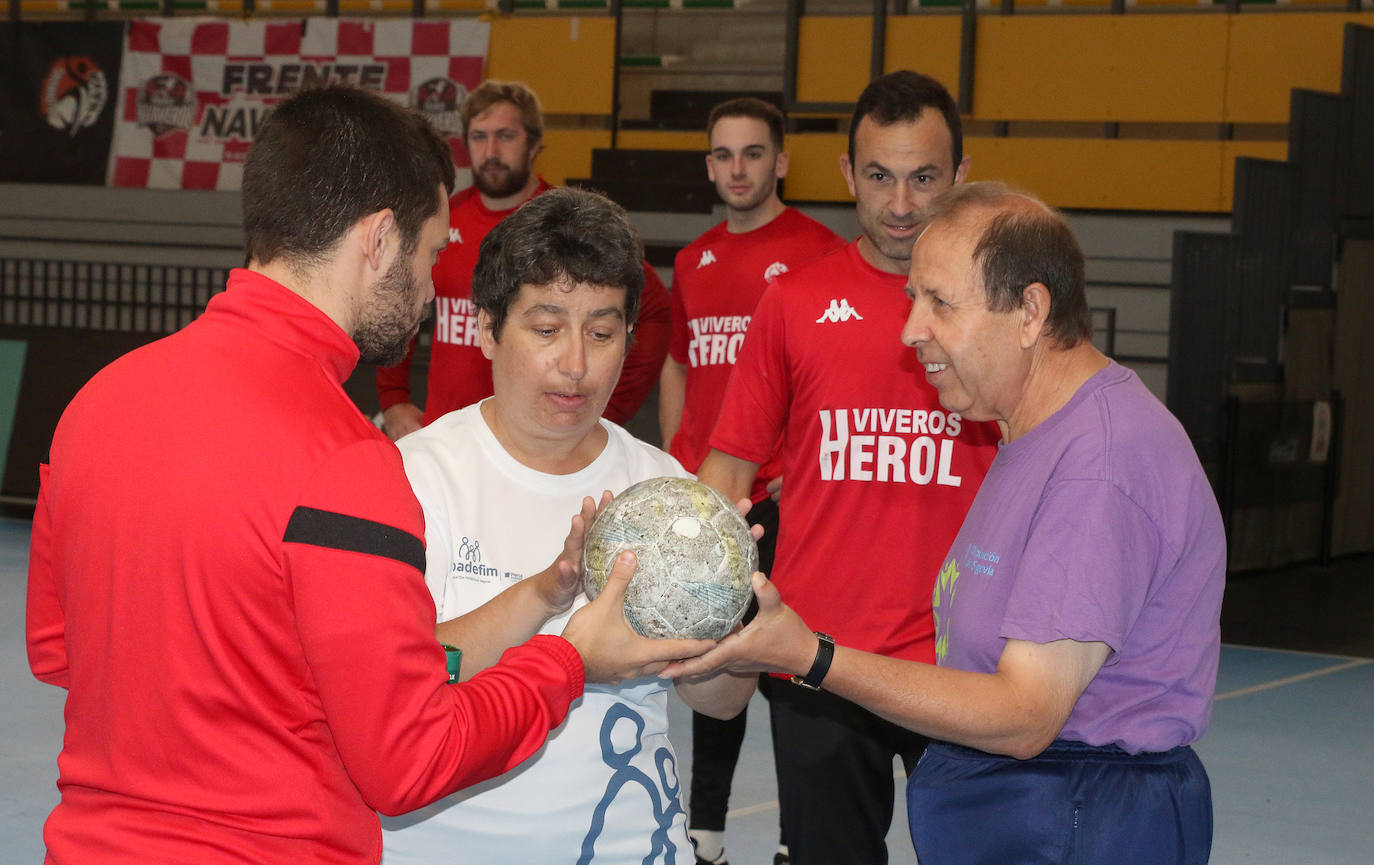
227,561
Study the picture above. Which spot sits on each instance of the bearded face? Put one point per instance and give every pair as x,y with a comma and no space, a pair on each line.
501,151
391,317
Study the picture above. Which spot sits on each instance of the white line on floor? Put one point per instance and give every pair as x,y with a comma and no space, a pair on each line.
1302,652
1292,680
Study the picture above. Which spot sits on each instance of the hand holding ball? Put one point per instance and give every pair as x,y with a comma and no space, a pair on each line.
696,555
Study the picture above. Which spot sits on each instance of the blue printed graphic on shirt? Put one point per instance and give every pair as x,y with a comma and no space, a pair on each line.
664,795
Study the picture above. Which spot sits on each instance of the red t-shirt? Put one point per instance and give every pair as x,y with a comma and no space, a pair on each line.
226,573
459,374
717,281
877,476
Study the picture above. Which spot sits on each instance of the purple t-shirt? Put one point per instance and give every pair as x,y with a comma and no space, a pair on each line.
1098,526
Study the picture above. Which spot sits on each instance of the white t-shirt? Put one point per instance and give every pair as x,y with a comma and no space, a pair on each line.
604,788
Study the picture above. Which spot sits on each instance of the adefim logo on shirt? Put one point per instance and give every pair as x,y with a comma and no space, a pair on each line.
467,564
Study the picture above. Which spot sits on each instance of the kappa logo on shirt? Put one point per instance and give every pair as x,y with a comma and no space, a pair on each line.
773,271
838,311
455,236
707,257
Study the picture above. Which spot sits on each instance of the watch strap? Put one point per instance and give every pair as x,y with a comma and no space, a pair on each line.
825,652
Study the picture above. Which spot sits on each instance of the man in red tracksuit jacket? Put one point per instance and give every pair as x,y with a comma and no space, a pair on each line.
226,568
503,127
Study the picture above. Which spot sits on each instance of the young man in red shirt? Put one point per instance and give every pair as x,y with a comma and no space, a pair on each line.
717,282
503,128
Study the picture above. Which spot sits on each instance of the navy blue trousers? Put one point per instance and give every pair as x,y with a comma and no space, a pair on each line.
1072,805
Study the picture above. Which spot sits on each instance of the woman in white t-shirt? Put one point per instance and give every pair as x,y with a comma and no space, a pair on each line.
557,288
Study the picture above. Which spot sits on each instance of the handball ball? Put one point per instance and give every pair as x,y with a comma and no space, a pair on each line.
695,554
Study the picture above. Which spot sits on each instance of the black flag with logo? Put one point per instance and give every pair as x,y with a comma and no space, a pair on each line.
58,94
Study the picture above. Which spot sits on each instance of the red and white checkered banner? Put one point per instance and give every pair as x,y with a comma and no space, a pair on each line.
194,91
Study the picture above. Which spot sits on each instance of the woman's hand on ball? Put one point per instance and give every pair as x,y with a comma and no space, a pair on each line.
559,584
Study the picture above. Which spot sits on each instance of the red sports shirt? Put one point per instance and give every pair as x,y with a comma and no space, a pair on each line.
717,281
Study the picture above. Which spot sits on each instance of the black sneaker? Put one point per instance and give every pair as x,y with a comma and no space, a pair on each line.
780,858
701,861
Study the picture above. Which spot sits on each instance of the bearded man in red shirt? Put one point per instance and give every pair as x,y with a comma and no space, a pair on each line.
503,129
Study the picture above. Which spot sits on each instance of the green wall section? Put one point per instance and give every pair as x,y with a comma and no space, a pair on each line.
11,374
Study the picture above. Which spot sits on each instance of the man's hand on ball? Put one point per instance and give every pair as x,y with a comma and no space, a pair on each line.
611,651
560,583
777,640
709,676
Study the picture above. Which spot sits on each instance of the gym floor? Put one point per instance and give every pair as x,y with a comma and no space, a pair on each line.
1289,752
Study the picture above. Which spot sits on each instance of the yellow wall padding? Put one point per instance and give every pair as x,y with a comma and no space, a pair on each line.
568,153
1144,68
832,58
813,173
1118,174
833,51
659,139
925,43
1155,68
458,5
1061,4
1136,68
1271,53
363,7
1095,174
569,61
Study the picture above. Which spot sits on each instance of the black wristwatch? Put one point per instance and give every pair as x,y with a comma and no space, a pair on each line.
824,653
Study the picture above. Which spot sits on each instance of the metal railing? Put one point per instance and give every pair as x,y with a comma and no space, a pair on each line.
88,295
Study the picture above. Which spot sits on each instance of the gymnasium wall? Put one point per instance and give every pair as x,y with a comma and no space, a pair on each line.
1134,121
1140,111
1171,84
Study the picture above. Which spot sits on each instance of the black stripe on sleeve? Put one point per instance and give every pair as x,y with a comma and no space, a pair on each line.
337,531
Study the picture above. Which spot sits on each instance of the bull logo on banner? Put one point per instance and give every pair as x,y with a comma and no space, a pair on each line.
75,91
166,104
440,99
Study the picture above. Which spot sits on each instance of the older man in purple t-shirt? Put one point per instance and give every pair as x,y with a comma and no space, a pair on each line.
1077,613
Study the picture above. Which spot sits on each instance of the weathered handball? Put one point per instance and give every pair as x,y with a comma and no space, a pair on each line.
695,554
